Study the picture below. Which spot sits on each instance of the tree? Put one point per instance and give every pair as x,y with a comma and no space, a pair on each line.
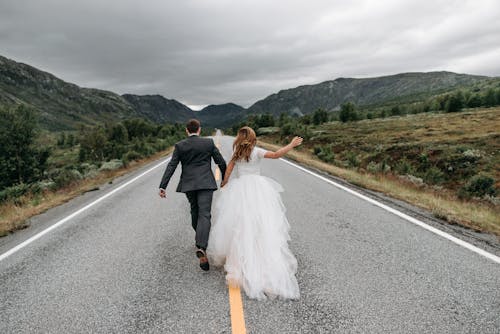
348,112
264,120
474,101
306,120
21,161
490,98
320,116
118,133
395,111
92,144
454,103
283,119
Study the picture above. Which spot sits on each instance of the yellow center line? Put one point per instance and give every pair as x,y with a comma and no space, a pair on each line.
236,305
235,302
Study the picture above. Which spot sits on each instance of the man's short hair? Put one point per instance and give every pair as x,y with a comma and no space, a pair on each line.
193,125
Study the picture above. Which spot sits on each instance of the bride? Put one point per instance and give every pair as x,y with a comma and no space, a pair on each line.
249,235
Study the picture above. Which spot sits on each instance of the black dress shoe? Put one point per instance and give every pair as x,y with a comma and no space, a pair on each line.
202,255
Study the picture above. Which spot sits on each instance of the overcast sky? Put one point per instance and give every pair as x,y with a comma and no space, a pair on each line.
215,51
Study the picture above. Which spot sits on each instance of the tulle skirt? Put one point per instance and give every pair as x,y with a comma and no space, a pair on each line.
249,236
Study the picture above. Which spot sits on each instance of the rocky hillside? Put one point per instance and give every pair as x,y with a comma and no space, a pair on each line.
221,115
370,91
159,109
62,105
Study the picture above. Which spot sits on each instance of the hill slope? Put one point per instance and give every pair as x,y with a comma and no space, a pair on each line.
159,109
221,115
331,94
62,105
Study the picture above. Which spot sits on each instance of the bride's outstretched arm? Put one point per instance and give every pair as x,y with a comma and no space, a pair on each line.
229,170
296,141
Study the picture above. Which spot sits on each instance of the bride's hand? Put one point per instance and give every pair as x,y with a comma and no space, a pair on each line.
296,141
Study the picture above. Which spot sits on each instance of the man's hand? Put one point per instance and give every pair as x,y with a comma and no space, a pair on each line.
162,193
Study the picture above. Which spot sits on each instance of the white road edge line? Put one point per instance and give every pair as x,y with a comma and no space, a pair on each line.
445,235
67,218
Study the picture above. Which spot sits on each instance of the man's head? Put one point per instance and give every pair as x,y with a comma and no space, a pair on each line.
193,127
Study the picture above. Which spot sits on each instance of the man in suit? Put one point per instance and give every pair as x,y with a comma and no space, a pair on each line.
197,181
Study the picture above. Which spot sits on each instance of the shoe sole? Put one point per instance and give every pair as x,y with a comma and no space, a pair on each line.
204,266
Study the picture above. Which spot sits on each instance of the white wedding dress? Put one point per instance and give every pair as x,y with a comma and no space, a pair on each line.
249,235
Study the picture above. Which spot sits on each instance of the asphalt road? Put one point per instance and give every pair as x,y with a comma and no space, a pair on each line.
127,265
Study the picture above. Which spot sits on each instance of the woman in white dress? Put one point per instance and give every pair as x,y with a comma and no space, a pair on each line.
249,235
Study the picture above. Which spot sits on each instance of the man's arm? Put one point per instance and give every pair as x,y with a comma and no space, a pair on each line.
169,171
227,174
219,160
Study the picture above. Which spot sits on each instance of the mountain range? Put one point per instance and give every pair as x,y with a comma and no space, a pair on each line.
63,105
330,95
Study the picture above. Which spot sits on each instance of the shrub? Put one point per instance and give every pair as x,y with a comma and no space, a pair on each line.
373,167
352,159
454,103
22,160
404,167
66,177
111,165
88,170
267,130
131,156
478,186
396,111
381,167
433,175
324,153
320,116
287,129
348,112
14,192
46,185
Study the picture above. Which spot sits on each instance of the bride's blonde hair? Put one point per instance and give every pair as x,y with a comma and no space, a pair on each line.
243,144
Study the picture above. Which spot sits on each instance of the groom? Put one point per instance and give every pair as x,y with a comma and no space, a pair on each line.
197,181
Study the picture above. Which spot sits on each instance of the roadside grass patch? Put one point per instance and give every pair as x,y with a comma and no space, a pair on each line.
447,163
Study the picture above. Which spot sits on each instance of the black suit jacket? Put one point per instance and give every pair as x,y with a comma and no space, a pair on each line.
195,155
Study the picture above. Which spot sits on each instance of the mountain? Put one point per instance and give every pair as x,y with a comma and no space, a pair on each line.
370,91
221,115
159,109
62,105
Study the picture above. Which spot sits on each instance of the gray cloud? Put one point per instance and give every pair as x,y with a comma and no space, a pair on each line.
215,51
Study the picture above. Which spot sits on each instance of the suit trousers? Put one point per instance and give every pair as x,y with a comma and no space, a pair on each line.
201,207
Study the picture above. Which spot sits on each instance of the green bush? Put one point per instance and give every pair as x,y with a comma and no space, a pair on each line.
22,159
111,165
324,153
288,129
14,192
267,130
433,175
66,177
381,167
348,112
320,116
404,167
131,156
352,159
478,186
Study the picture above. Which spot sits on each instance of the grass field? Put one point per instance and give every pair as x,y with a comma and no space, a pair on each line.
14,214
424,159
